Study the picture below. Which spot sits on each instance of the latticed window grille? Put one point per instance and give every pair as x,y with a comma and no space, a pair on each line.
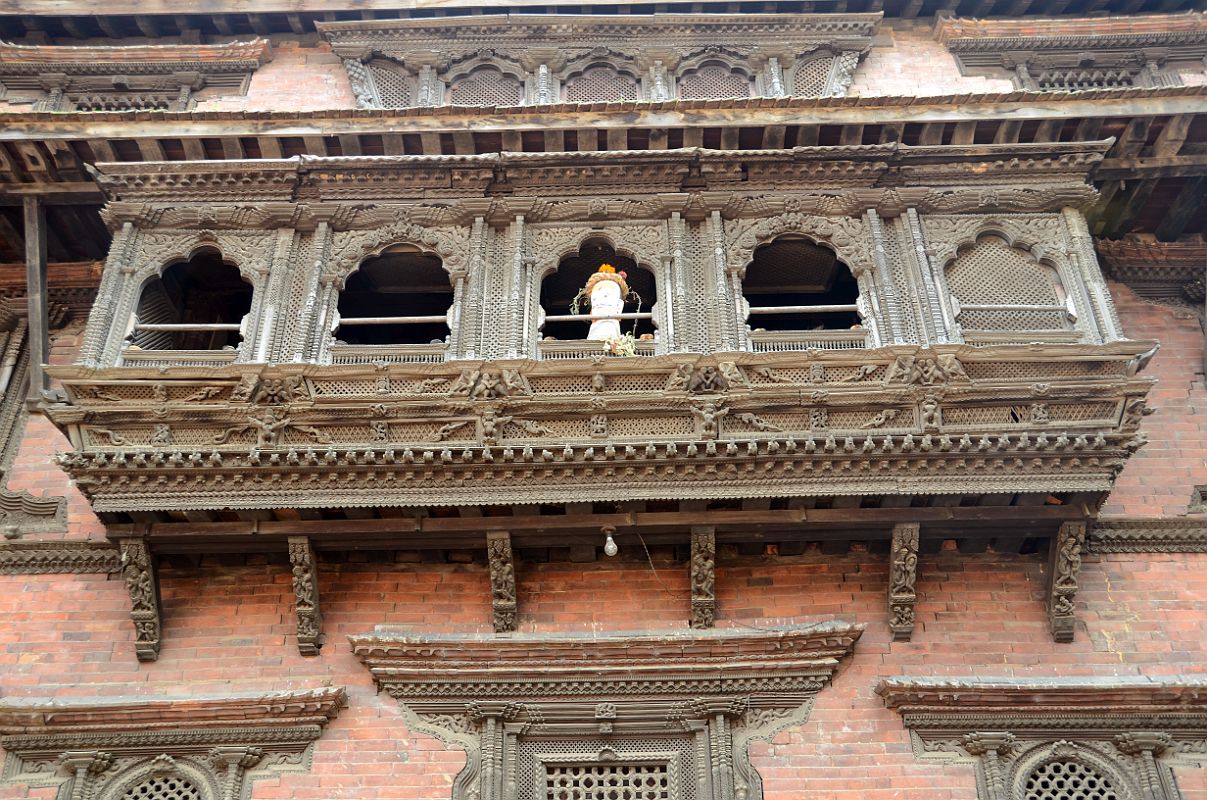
1073,80
486,86
163,787
607,782
1003,288
393,83
600,84
713,80
1068,780
811,77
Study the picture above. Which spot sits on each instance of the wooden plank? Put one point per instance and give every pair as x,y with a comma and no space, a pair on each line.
1173,135
193,150
270,147
463,143
1153,167
392,144
36,296
773,137
1183,209
151,150
555,141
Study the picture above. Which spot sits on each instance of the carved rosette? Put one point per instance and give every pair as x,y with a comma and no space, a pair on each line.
693,702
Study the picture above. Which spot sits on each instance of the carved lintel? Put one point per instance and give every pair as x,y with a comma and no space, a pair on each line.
502,581
142,582
1065,563
306,595
703,576
903,573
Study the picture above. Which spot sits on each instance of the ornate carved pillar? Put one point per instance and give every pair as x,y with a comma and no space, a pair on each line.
1082,253
884,278
36,295
991,747
118,304
676,230
269,306
938,317
726,315
903,574
1064,564
471,320
1146,746
306,595
703,576
303,346
502,581
517,299
142,583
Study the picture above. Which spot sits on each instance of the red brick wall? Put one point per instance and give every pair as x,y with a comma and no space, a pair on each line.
229,625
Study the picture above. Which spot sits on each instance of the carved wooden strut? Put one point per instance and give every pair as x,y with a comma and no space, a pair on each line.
703,577
502,581
306,595
903,572
1064,566
138,571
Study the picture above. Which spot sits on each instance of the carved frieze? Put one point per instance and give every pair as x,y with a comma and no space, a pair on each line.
1147,535
693,702
140,747
480,431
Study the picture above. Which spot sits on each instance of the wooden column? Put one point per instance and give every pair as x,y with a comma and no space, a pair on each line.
35,276
1064,564
306,595
703,576
502,581
142,583
903,573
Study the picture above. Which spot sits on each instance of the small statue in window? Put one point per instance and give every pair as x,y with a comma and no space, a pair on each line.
605,293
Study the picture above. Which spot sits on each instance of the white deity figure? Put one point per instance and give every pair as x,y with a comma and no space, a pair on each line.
606,290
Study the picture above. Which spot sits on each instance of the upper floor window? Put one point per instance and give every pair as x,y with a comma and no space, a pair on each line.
486,86
601,83
401,297
800,295
394,85
997,287
197,304
714,79
566,296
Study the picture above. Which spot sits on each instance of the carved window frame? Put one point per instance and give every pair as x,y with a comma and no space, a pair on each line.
737,63
617,62
644,242
1132,732
840,70
220,745
149,254
847,237
1042,238
485,60
486,695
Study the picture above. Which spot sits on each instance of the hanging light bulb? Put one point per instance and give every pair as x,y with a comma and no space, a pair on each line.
610,547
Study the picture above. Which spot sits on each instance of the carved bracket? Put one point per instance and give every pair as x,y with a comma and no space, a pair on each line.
306,595
142,582
903,573
502,581
703,577
1064,564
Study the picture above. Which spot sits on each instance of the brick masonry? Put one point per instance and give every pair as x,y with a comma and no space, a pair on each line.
229,624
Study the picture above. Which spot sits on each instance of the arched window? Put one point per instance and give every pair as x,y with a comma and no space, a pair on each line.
1066,779
197,304
997,287
560,288
486,86
811,75
600,83
400,297
713,80
163,787
394,84
796,288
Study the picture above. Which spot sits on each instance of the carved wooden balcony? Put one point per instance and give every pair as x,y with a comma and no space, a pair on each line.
901,420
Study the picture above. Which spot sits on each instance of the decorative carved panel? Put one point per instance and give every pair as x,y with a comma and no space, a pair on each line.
526,58
668,717
1079,54
145,77
162,749
1057,739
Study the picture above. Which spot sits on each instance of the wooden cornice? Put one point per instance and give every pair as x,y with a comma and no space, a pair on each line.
1124,31
136,59
959,696
44,717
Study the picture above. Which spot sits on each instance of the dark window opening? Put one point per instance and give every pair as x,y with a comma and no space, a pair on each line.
193,305
399,297
795,285
559,289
